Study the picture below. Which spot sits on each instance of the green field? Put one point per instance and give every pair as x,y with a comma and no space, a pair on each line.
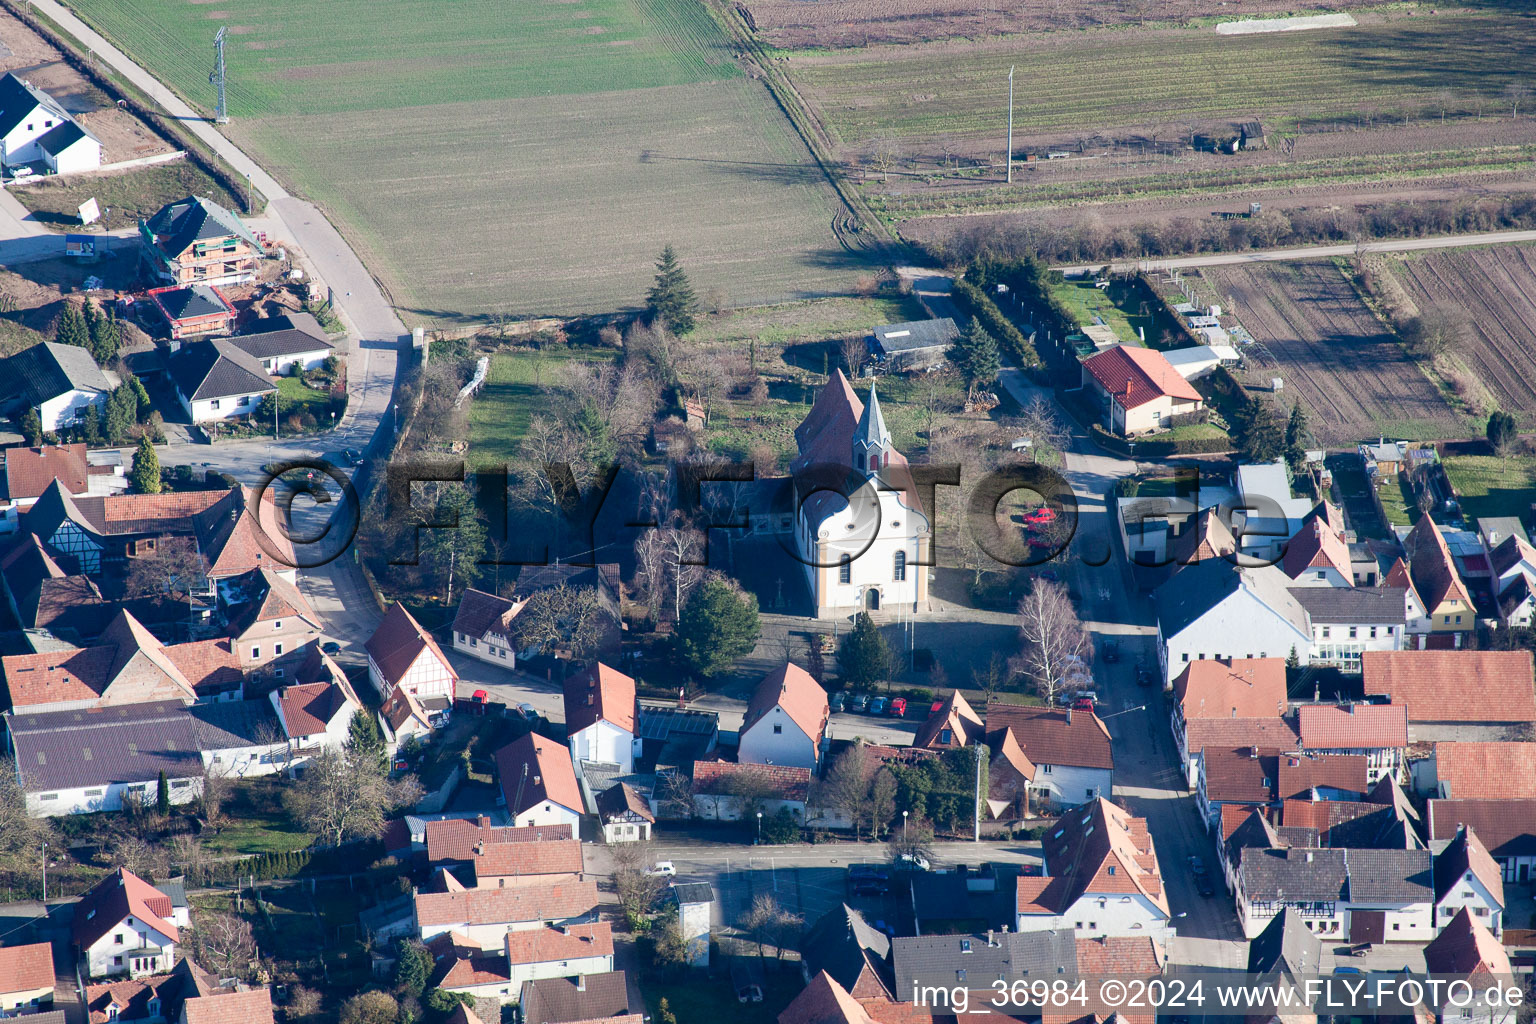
1164,78
520,158
518,388
1493,485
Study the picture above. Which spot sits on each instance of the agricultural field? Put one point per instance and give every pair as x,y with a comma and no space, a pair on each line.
1492,293
519,159
1312,330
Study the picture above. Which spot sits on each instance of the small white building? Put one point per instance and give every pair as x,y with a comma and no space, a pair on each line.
62,382
786,721
1467,878
124,925
538,783
482,628
694,902
279,343
600,713
626,814
1196,361
314,716
35,128
216,381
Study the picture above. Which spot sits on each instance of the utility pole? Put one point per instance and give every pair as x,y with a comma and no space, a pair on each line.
976,811
216,78
1010,109
45,871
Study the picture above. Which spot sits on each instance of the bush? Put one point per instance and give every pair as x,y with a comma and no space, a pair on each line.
1154,448
976,303
1111,443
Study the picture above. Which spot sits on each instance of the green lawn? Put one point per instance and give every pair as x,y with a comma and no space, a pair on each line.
255,822
1397,502
811,320
514,393
1492,485
130,195
1192,432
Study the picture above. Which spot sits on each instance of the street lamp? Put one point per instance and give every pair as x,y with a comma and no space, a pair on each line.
903,828
759,827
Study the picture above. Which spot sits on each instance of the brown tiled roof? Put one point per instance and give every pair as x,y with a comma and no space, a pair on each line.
1316,546
121,894
125,649
253,1006
23,968
1398,576
954,714
574,942
1454,686
29,471
1099,848
1239,688
454,839
471,970
787,782
524,903
1505,827
802,698
1075,738
1486,771
561,1001
600,694
397,643
1264,733
211,666
308,709
401,707
824,1001
550,774
1232,817
1431,566
462,1015
1239,775
1122,956
1004,744
479,611
1466,947
1467,853
1207,536
131,997
551,857
621,799
274,599
1352,727
1322,815
825,436
1300,772
1136,376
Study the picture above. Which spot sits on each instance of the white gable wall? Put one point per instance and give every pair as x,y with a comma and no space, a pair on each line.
776,739
604,741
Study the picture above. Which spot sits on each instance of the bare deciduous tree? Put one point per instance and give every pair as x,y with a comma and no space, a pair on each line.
637,889
174,567
225,944
345,795
1517,92
1047,434
1053,638
854,352
770,924
572,618
19,831
846,785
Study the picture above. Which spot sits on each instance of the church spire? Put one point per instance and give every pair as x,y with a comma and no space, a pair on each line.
871,440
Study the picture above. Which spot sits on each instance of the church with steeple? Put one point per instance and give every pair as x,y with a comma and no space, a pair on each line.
866,551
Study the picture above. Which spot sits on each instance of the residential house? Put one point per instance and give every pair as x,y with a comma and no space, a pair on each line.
62,382
402,719
527,955
786,720
1286,951
130,1001
461,840
1265,734
484,916
1468,879
1265,515
124,925
1467,949
1512,562
189,311
695,902
538,783
1011,776
1069,751
1100,878
626,815
920,345
1348,621
247,1006
976,962
1419,623
1217,610
721,788
1446,601
26,978
280,343
600,714
824,1001
589,997
950,725
853,953
1354,894
482,627
1313,777
403,656
195,240
1379,732
504,865
217,381
1234,777
1222,690
1391,896
1317,556
29,471
1138,390
1517,603
41,597
315,716
1478,771
1506,828
35,128
1454,694
186,995
270,622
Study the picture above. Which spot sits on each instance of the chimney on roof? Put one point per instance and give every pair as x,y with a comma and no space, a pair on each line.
581,983
1253,753
483,821
990,943
1309,856
1127,389
1069,715
480,848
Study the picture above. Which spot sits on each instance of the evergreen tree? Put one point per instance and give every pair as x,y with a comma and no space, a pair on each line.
671,301
1502,431
120,414
32,428
413,968
364,737
975,352
162,796
70,329
864,657
103,331
141,396
1296,434
90,425
1263,433
718,625
144,478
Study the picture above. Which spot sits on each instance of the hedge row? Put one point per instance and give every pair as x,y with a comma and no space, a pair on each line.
1113,443
347,859
1184,446
976,303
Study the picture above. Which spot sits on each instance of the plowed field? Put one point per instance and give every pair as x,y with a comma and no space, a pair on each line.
1495,290
1350,374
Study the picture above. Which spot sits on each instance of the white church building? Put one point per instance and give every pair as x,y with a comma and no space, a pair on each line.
866,551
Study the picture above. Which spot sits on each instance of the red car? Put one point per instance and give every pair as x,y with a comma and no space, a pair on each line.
1083,704
898,707
1042,516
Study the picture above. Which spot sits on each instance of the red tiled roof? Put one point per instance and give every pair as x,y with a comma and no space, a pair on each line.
1232,817
1299,773
1486,771
551,857
802,698
600,694
29,471
120,895
1316,546
1134,956
308,709
397,643
131,997
211,666
1505,827
1454,686
24,968
1264,733
454,839
253,1006
1236,775
825,436
1354,727
955,715
575,942
824,1001
1398,576
550,775
472,971
1100,848
1432,568
1135,376
787,782
1074,738
125,648
1239,688
523,903
1466,947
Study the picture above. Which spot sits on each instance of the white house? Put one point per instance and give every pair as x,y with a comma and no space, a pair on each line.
1100,878
482,627
1266,517
280,342
1317,556
1068,750
527,955
1216,610
694,901
1348,621
402,655
867,549
26,978
124,925
216,380
625,814
1345,895
538,783
1467,878
600,717
1138,390
62,382
786,721
315,716
34,127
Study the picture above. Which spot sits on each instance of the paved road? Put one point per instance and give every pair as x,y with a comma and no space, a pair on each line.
1312,252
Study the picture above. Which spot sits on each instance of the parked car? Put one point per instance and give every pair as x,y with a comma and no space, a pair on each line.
331,647
885,929
1082,704
1144,676
1111,650
877,706
836,701
663,868
350,457
898,707
1347,970
867,872
858,701
916,860
1042,516
869,887
1202,877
